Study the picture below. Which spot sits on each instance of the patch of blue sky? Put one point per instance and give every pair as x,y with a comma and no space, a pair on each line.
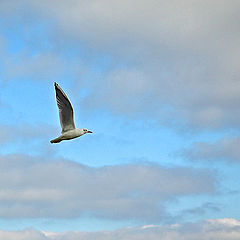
115,140
62,225
27,102
227,191
195,208
22,33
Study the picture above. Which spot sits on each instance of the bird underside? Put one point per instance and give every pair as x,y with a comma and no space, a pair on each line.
68,135
61,138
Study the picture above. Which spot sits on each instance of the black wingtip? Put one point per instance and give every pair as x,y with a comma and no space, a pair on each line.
56,85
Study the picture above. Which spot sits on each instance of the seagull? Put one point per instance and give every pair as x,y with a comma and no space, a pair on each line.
69,131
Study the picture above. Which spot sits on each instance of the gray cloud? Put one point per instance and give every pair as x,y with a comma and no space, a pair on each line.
34,54
13,133
181,57
47,66
31,187
201,210
176,61
225,149
218,229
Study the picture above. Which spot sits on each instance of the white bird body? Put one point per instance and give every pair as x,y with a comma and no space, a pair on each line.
71,134
66,118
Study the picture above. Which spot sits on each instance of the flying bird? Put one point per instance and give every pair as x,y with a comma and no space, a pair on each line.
69,131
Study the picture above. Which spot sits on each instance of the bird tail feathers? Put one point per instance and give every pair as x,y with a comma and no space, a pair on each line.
56,140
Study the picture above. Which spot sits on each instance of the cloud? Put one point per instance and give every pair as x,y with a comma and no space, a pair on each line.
23,235
42,66
214,229
13,133
225,149
176,62
29,51
201,210
178,57
31,187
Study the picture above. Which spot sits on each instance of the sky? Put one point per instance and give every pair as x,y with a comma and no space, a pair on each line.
158,83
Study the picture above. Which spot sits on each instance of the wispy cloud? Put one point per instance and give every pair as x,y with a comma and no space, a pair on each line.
24,132
218,229
200,210
225,149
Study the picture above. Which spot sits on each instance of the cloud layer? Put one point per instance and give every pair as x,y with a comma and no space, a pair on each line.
179,58
31,187
175,61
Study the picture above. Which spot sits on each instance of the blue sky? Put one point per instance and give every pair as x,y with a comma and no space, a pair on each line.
158,84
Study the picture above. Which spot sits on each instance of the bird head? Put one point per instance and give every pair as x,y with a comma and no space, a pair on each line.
86,131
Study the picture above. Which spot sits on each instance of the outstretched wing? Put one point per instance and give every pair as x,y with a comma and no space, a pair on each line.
65,109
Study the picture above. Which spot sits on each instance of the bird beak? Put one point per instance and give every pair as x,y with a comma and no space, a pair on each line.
89,131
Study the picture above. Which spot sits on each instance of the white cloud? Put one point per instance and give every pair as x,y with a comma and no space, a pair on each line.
212,229
31,187
23,235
